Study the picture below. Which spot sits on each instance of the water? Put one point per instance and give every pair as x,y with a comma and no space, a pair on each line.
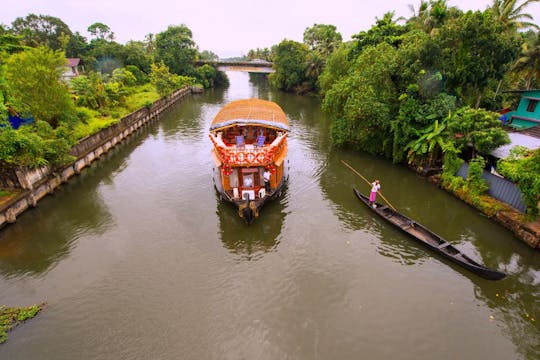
137,259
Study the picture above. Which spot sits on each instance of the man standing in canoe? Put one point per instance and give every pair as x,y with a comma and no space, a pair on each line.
375,187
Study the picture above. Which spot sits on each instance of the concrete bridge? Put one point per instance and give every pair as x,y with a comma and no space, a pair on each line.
253,66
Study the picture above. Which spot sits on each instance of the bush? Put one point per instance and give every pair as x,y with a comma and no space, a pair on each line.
475,183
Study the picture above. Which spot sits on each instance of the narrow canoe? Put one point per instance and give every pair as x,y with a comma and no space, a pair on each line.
430,239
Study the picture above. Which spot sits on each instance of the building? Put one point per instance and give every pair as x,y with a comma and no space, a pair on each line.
527,114
72,69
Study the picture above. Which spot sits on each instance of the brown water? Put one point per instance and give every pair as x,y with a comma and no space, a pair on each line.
137,259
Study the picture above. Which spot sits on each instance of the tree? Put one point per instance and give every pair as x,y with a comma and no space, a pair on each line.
528,63
362,103
101,31
77,46
385,30
471,51
165,82
337,66
289,65
176,49
208,55
41,30
476,128
322,39
32,79
431,15
135,53
512,16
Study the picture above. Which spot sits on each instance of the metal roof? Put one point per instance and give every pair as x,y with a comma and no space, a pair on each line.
516,139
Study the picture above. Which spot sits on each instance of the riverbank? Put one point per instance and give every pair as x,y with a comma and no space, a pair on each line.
505,215
32,185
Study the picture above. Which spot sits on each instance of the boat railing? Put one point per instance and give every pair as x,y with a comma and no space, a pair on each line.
248,154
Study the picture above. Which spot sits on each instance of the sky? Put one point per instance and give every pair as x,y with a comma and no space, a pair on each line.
226,27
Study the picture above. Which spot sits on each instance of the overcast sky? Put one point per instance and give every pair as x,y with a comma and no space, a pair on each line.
226,27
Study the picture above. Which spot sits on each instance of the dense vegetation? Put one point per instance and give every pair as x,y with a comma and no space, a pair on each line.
422,90
115,80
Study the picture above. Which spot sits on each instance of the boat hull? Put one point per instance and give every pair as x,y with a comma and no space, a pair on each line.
429,239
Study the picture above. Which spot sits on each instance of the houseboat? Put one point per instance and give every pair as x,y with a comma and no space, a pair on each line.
249,153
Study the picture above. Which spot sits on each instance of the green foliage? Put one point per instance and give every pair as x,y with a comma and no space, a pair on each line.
337,67
90,91
208,55
124,76
176,49
464,49
451,163
34,145
362,103
415,123
524,169
100,31
475,183
289,66
41,30
205,75
10,317
262,54
427,146
32,81
386,30
479,128
136,55
322,39
165,82
140,77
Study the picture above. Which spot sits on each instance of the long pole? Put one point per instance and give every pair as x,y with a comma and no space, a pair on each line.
357,173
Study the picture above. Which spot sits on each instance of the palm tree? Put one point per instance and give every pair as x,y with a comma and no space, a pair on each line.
430,15
512,15
529,61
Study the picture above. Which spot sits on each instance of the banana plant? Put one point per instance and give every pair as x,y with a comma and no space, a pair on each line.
430,143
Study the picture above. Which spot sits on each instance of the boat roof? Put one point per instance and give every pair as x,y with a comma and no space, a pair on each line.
251,112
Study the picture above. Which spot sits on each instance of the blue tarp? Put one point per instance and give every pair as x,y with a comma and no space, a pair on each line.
17,121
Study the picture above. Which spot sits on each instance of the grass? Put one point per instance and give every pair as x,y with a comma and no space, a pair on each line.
141,96
11,317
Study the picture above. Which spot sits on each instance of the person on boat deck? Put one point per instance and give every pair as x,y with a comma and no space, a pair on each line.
375,187
266,177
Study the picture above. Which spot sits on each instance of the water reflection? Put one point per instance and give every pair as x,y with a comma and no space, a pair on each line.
76,209
250,242
514,300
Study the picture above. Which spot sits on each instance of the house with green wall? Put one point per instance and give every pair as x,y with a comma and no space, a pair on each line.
527,114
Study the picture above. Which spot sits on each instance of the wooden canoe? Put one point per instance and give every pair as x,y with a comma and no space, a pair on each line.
430,239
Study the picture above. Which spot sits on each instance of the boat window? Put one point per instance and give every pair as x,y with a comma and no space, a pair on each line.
248,180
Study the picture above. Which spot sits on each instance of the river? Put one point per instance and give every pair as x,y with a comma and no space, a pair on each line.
136,258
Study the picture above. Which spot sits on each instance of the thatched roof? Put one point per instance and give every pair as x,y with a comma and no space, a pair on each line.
251,112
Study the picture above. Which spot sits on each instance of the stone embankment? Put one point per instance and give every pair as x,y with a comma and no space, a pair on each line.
37,183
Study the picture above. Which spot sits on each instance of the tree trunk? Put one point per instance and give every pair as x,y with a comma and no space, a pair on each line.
478,101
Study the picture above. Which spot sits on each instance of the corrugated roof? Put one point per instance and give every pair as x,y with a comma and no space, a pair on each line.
73,61
516,139
251,112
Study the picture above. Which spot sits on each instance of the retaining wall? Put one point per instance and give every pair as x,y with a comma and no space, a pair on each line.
40,182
